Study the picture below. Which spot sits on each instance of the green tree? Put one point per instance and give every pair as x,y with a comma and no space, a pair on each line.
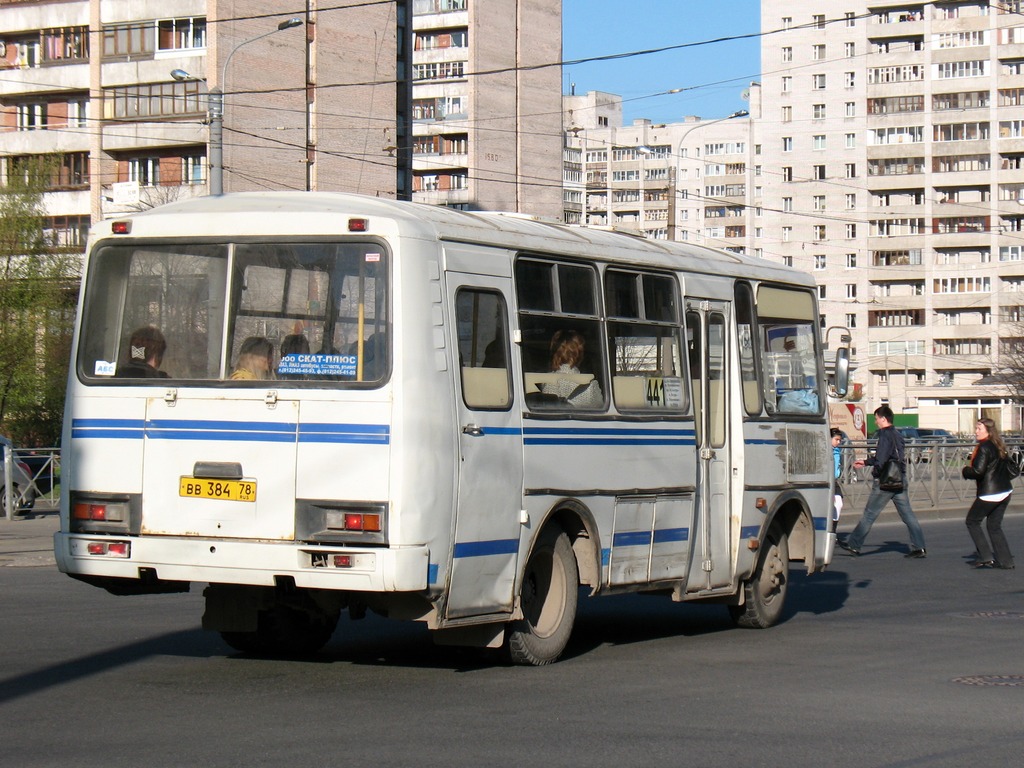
37,299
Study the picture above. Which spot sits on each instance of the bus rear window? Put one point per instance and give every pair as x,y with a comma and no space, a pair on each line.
245,312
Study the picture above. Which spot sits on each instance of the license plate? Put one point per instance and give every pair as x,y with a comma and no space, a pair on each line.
226,490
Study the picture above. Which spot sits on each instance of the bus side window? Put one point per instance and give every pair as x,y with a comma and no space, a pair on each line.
480,321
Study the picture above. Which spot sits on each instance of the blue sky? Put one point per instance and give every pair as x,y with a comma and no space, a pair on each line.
717,73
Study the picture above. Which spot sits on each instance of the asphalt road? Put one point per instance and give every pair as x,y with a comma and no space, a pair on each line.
881,661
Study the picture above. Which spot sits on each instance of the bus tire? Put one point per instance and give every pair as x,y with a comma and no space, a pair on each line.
284,631
764,593
548,599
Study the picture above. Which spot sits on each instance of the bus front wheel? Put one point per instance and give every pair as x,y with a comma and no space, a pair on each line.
548,600
764,593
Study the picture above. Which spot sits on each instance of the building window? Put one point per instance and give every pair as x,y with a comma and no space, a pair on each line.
787,234
134,102
181,34
822,292
819,232
851,231
787,173
64,171
787,83
851,320
818,202
851,201
787,53
787,22
818,52
851,290
851,18
787,143
145,171
818,141
32,117
787,204
439,70
851,141
818,111
850,79
819,173
787,114
851,170
819,261
818,82
65,44
851,261
851,50
851,109
818,20
129,40
193,169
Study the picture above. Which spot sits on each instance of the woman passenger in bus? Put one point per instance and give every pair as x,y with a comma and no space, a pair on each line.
255,359
146,347
567,349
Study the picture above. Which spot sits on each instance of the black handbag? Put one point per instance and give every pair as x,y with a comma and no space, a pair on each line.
890,477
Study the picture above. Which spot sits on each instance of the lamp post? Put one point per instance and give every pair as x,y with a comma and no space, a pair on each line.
674,186
215,109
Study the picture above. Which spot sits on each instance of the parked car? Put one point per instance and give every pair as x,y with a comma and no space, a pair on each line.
936,435
23,495
41,468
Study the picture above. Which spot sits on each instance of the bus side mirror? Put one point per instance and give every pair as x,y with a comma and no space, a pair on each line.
842,379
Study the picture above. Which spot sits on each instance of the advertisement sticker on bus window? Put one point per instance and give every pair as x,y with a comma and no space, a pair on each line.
103,368
372,257
672,390
317,365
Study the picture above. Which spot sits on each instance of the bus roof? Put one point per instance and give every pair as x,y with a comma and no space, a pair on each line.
326,213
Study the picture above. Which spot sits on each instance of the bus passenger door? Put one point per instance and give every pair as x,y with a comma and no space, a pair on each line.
490,467
706,324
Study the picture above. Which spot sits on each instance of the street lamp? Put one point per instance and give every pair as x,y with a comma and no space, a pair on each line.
674,192
215,112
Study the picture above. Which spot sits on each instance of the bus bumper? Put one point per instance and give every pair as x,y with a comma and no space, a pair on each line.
225,561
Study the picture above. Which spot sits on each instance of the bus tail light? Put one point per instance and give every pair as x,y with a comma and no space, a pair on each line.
361,521
121,549
100,512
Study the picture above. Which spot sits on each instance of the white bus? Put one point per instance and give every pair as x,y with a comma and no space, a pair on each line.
317,402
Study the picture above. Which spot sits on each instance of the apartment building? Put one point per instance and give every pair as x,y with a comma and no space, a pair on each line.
121,96
487,104
893,135
675,181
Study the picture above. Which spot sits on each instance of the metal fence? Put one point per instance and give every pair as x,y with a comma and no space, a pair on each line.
933,472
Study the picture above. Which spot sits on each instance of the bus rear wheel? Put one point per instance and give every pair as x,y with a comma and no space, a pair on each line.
548,599
284,631
764,593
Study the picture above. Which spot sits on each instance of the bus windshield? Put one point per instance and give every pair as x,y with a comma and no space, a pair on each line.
245,312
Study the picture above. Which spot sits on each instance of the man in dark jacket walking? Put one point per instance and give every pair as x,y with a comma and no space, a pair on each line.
890,446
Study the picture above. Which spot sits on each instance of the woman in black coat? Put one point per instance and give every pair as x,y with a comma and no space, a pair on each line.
988,468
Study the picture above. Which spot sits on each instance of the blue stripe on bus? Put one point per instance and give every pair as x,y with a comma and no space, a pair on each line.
631,539
820,523
665,535
374,434
239,431
764,441
432,571
607,436
750,531
485,548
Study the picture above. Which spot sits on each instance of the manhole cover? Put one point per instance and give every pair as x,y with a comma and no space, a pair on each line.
992,615
1002,680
